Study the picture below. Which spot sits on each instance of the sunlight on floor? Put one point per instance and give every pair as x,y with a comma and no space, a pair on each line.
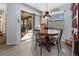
28,36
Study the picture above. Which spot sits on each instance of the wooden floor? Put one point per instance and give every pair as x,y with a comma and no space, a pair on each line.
26,48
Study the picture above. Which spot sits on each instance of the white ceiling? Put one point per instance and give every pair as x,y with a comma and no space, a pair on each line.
42,6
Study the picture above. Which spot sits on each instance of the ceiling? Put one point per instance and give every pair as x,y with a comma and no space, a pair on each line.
25,14
42,6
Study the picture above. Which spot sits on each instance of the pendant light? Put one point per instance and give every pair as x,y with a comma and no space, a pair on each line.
46,15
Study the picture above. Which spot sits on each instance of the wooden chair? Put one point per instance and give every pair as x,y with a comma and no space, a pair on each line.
57,39
40,39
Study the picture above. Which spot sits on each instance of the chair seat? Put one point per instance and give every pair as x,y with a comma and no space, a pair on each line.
42,41
54,37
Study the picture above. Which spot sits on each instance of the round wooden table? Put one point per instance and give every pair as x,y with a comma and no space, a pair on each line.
50,33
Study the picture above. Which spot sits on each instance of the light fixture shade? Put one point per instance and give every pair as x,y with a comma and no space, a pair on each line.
46,14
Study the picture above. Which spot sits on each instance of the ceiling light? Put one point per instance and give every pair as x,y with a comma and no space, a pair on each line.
46,15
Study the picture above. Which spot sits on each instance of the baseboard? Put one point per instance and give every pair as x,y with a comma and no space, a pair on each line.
12,43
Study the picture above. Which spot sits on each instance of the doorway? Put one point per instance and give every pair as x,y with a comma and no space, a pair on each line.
26,25
2,27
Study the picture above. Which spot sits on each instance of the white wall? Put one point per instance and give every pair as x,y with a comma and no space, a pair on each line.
13,29
14,21
37,21
67,21
2,6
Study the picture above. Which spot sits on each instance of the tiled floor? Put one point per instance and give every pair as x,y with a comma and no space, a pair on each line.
26,48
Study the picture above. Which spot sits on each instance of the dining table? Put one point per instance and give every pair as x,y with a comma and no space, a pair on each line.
50,33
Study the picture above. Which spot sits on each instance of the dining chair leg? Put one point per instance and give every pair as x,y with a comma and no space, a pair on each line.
60,45
58,48
35,46
41,50
49,46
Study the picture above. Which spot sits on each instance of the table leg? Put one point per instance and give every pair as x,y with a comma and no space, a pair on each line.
48,44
